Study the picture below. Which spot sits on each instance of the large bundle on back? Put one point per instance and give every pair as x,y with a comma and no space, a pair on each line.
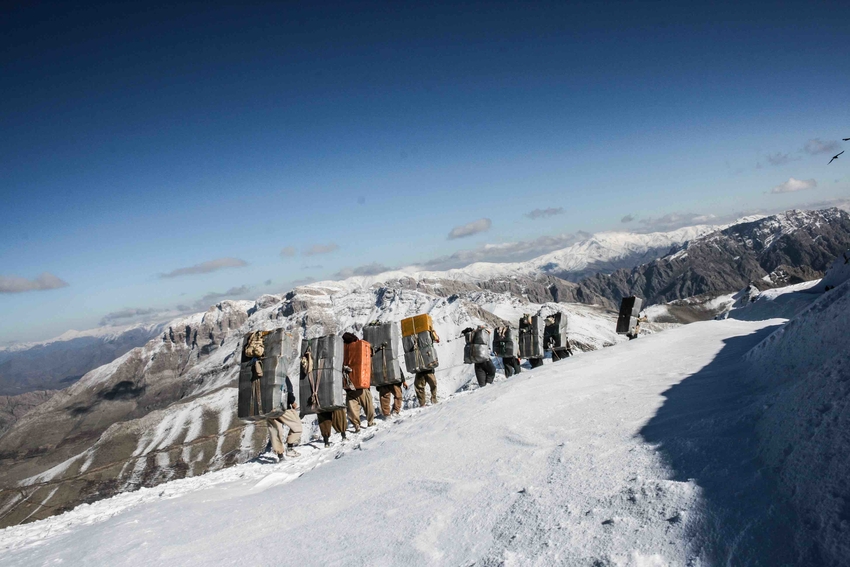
386,348
267,359
555,331
358,357
530,337
629,312
505,343
477,347
417,339
321,375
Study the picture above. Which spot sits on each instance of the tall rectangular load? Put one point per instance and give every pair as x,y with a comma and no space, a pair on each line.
358,357
505,343
477,347
268,358
555,331
629,312
321,385
386,349
420,354
530,337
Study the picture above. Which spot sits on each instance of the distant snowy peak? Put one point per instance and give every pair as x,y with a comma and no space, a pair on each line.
609,251
105,333
601,252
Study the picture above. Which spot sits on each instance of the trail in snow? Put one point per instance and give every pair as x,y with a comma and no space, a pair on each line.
581,462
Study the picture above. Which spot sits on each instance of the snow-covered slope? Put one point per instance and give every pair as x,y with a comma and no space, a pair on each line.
805,429
569,464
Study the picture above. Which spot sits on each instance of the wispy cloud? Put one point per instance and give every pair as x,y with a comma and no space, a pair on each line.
206,267
817,146
366,270
303,281
312,267
214,297
129,313
287,252
468,229
543,213
44,282
317,249
780,159
672,221
794,185
627,219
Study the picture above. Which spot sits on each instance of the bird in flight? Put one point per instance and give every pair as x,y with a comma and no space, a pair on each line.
846,139
835,157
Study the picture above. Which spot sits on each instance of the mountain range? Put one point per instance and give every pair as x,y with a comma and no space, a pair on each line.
166,409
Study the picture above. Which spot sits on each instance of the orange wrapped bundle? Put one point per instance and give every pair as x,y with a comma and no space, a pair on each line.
358,357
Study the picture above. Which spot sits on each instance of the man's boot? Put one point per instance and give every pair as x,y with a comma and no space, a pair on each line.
291,452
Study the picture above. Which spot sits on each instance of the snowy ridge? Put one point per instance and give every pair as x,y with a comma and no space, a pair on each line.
106,333
604,251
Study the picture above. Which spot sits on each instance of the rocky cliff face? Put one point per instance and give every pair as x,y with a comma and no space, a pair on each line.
167,410
782,249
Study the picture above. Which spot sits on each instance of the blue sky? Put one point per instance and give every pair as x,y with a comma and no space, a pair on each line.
139,140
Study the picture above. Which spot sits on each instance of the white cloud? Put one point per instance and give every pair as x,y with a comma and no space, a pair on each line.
468,229
15,284
287,252
206,267
794,185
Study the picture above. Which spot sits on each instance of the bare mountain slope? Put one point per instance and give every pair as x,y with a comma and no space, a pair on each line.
60,362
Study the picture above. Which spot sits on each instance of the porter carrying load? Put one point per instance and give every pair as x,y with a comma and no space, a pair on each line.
627,321
321,383
357,357
267,359
555,331
477,347
505,343
530,337
386,348
417,339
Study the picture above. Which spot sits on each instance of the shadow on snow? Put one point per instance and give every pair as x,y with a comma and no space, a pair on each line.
706,431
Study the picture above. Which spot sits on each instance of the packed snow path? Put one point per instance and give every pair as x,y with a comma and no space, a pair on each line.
632,455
